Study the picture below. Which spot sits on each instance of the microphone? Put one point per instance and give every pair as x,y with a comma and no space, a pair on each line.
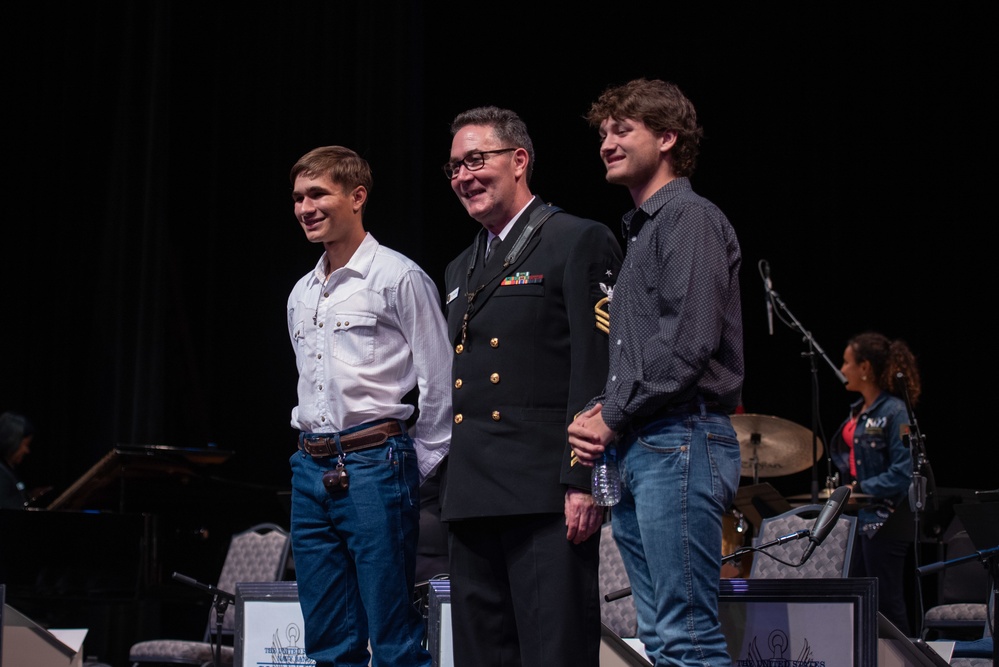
827,519
184,579
770,305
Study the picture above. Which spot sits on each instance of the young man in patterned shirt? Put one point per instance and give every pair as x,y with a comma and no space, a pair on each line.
676,373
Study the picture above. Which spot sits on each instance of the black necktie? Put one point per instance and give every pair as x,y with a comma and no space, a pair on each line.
492,246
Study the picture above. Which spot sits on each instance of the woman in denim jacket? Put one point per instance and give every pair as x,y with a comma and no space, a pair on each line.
869,452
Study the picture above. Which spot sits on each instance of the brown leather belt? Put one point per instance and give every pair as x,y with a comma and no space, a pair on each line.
324,444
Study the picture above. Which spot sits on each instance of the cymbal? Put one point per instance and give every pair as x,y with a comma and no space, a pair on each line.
772,447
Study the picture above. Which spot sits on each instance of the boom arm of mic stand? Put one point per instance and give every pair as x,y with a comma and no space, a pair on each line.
220,601
208,588
617,595
808,336
990,559
984,555
813,348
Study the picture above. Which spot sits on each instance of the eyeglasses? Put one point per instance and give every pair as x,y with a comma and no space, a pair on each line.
473,162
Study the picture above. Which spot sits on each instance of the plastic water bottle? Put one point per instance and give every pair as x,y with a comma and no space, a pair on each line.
606,480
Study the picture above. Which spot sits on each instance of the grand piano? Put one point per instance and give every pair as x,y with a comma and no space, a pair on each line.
101,555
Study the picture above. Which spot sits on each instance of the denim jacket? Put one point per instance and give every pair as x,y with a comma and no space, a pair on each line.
884,461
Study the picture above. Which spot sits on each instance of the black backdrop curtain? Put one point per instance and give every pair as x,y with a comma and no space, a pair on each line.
149,243
148,274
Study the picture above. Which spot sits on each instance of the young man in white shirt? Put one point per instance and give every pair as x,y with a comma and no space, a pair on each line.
367,329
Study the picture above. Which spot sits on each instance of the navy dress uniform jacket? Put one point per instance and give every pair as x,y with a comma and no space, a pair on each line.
531,357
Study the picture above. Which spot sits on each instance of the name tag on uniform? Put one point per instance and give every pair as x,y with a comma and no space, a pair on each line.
452,295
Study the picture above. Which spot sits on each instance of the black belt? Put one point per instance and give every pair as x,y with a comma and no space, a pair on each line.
325,444
690,407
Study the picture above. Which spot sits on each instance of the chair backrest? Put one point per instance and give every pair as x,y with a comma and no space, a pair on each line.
618,615
964,591
258,554
966,582
829,560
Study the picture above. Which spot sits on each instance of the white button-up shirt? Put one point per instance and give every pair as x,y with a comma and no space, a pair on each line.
363,338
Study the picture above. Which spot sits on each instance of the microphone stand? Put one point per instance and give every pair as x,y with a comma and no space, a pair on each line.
818,528
915,441
220,602
813,349
790,537
738,553
990,559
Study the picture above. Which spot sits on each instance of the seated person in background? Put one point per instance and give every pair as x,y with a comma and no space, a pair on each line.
16,433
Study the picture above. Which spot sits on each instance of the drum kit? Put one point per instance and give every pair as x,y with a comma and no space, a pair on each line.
772,447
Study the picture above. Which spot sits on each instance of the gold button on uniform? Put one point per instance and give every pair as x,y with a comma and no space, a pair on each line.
494,342
459,348
457,383
458,418
496,415
494,378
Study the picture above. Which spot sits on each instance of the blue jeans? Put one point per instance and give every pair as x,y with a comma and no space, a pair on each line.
679,475
355,557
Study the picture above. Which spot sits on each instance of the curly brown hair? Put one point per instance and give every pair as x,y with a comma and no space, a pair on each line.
662,107
892,363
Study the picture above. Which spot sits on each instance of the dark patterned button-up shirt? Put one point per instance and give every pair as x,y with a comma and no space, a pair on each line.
675,312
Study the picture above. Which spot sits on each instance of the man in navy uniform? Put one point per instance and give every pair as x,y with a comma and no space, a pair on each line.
527,355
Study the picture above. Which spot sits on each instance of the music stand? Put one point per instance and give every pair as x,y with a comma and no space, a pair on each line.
96,487
917,652
981,520
902,522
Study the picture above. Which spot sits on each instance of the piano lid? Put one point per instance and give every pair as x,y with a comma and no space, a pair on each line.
136,461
